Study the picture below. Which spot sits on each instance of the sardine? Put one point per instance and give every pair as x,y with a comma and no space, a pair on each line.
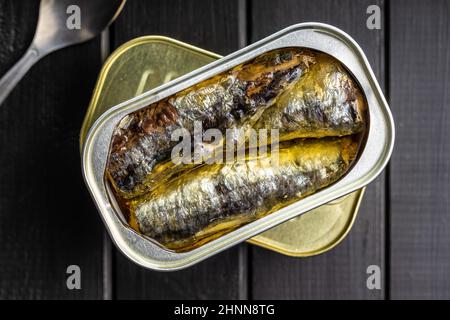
141,144
326,101
215,199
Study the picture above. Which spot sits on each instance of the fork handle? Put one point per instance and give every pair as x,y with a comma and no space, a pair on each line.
16,73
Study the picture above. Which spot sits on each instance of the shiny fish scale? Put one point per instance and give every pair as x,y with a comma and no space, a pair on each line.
250,188
210,105
325,102
141,159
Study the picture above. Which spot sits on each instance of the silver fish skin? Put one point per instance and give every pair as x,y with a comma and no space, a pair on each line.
324,102
182,212
236,98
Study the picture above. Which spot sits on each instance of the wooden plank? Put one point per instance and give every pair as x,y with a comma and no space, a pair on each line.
47,219
212,25
340,273
420,179
107,249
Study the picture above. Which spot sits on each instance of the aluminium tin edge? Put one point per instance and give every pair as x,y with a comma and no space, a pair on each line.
372,160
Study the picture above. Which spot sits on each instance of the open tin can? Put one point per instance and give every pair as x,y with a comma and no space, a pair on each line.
147,62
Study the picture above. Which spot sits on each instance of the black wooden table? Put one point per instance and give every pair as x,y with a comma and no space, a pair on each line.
48,221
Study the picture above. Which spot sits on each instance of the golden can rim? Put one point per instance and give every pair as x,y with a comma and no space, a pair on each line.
305,254
87,123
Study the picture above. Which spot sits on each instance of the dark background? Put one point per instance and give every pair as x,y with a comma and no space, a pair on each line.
48,221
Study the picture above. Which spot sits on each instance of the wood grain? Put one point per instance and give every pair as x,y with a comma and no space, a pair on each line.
47,219
340,273
212,25
420,178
